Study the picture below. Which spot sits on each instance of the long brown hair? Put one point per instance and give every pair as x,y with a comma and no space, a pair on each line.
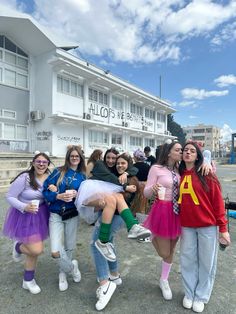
96,154
80,168
32,180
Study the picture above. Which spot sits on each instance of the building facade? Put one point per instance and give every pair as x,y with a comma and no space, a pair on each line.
49,98
208,135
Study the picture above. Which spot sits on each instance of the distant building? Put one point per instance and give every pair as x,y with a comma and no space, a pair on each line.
49,98
207,135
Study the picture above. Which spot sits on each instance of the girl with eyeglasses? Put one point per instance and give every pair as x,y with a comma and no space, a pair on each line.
60,190
27,218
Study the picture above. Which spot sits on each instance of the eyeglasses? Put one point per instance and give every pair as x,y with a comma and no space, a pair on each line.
74,156
41,162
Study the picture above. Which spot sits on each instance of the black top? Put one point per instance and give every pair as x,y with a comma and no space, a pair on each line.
143,169
151,160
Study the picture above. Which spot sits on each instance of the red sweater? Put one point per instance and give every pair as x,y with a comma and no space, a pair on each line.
200,207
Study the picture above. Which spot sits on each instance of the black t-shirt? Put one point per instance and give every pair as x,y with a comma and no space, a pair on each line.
143,169
151,160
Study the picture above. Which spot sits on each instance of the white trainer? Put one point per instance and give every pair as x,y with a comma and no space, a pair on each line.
165,289
187,303
116,279
63,284
138,231
76,274
106,249
31,286
104,294
17,257
198,306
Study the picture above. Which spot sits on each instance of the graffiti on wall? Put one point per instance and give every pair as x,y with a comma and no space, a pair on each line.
69,139
14,146
43,135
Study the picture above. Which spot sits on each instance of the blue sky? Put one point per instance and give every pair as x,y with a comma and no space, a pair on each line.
191,45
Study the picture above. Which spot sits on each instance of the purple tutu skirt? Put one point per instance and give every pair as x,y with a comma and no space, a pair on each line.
26,227
162,221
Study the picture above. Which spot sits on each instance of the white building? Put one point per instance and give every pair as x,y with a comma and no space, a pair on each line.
49,98
207,135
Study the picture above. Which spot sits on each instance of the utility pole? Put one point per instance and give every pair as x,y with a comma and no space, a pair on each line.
160,86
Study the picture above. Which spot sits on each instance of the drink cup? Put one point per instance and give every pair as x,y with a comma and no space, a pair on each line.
36,204
161,192
70,194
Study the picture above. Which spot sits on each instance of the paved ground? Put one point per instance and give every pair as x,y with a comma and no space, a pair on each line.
140,270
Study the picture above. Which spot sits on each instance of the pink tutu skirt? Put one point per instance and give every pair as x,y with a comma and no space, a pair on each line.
26,227
162,221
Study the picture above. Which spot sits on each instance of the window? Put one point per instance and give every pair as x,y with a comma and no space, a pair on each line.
97,137
10,77
15,64
117,103
160,117
69,87
10,58
135,109
21,80
150,114
135,141
21,132
8,114
13,131
150,142
9,131
116,139
98,96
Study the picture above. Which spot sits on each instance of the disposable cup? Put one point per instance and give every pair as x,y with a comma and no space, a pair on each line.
70,193
161,192
35,203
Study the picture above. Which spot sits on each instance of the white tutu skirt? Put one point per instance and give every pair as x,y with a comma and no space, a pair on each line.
92,190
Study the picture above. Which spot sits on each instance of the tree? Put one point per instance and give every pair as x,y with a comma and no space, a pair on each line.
175,129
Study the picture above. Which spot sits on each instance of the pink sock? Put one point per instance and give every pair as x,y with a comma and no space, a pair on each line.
165,270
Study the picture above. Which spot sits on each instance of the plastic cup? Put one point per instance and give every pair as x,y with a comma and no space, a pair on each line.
70,194
161,192
35,203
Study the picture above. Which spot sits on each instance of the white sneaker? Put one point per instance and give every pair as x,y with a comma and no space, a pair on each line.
116,279
198,306
165,288
106,249
138,231
187,303
76,272
63,284
17,257
31,286
104,294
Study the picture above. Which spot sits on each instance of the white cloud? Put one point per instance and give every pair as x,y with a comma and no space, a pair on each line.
193,93
225,133
186,103
133,31
225,80
193,117
227,34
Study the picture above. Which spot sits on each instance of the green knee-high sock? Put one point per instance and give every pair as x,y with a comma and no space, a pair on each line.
104,233
128,218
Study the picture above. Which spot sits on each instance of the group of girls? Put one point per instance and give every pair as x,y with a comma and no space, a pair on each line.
195,212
